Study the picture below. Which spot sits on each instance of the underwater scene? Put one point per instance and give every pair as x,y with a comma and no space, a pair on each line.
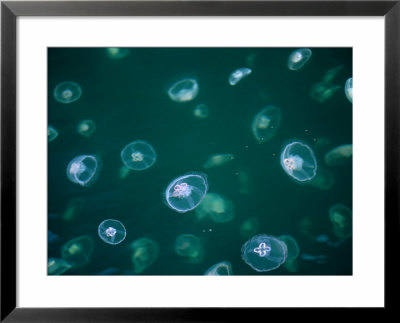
200,161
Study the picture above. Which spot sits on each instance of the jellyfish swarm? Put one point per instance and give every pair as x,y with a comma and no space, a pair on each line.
223,268
341,218
83,170
138,155
298,58
348,89
266,123
112,231
186,192
298,161
67,92
184,90
264,253
144,254
238,74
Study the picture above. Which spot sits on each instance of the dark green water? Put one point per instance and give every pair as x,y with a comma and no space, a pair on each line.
127,99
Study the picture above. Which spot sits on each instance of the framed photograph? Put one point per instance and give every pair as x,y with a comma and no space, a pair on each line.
188,140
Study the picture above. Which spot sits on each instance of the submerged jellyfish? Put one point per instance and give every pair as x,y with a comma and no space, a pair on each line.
266,123
324,89
138,155
86,128
201,111
264,253
67,92
190,247
77,252
223,268
218,160
249,227
117,53
217,207
293,249
112,231
144,254
339,155
52,133
186,192
298,58
184,90
348,89
324,179
57,266
238,74
341,218
298,161
83,170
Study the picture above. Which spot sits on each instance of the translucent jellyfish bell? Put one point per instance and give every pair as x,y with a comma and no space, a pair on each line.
217,207
138,155
238,74
298,161
339,155
201,111
348,89
77,252
293,249
223,268
190,247
264,253
218,160
52,133
112,231
144,254
57,266
341,218
266,123
83,170
67,92
86,128
186,192
298,58
184,90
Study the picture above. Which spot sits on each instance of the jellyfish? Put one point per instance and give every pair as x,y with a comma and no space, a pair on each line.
292,247
266,123
124,172
201,111
264,253
112,231
339,155
341,218
138,155
186,192
144,254
249,227
298,58
324,179
190,247
77,252
74,207
348,89
218,160
298,161
86,128
184,90
323,91
84,169
67,92
217,207
57,266
223,268
117,53
238,74
52,133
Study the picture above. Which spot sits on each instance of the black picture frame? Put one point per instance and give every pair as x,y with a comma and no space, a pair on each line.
11,10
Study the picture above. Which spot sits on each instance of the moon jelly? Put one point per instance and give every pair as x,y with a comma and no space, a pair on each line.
293,249
217,207
223,268
238,74
339,155
298,161
67,92
57,266
144,254
83,170
341,218
201,111
298,58
266,123
112,231
184,90
190,247
264,253
218,160
186,192
52,133
77,252
348,89
86,128
138,155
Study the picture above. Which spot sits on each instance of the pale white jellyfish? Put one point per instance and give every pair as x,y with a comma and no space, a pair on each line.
184,90
298,58
348,89
117,53
266,123
223,268
86,128
238,74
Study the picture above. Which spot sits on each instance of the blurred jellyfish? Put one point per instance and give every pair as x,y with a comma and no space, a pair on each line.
218,160
138,155
77,252
201,111
84,169
144,254
348,89
123,172
190,247
112,231
67,92
57,266
318,259
249,227
324,179
52,237
266,123
292,247
217,207
245,182
324,89
264,253
341,218
86,128
184,90
298,161
324,238
74,207
52,133
238,74
223,268
186,192
339,155
117,53
298,58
